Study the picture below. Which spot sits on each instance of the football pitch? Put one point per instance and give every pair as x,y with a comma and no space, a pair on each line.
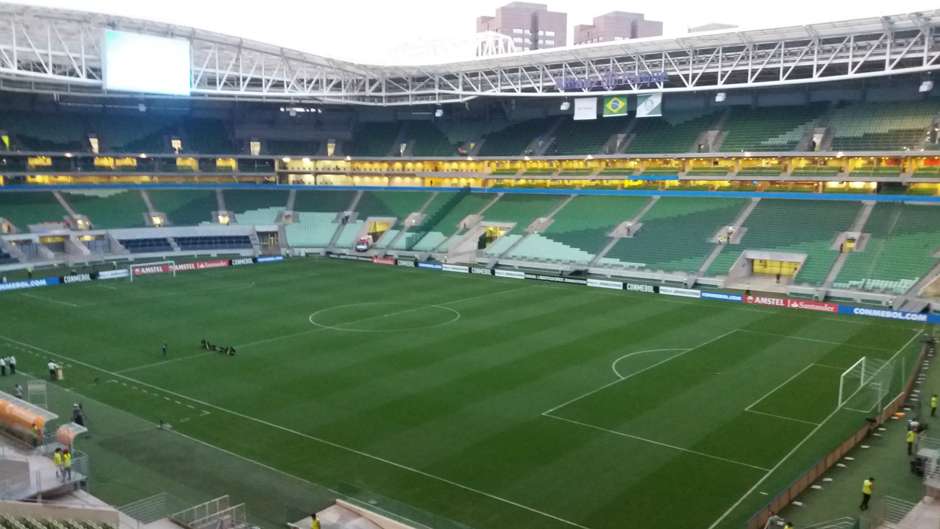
488,403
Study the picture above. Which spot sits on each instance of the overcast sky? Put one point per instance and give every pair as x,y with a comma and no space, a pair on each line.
376,31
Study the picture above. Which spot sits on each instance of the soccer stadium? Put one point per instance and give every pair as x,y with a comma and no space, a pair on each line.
655,283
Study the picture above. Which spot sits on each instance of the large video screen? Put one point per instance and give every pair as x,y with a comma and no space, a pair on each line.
143,63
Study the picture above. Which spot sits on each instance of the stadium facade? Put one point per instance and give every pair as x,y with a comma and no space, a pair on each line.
829,127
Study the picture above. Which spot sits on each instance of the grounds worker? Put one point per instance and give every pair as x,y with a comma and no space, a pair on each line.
57,459
933,405
867,487
911,437
314,522
11,363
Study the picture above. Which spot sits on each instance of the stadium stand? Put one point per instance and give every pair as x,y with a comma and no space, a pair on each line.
903,239
580,230
316,221
398,204
109,209
797,226
213,243
675,234
292,147
6,258
375,139
585,137
30,207
14,522
255,206
515,138
673,133
768,128
151,245
443,221
881,126
428,140
521,210
185,207
39,131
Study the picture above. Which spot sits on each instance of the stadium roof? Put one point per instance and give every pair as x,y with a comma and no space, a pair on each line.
59,51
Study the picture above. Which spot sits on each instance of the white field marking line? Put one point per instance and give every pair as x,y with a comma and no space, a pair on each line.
164,362
797,447
827,366
782,417
312,318
657,443
108,287
613,365
815,340
318,329
49,300
635,373
778,386
310,437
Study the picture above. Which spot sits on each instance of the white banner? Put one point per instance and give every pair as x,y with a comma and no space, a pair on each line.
680,292
457,268
585,108
638,287
649,106
113,274
511,274
602,283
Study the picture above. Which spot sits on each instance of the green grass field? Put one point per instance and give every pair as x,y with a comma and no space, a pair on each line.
457,400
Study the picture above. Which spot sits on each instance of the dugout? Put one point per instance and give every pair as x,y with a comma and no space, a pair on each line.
18,416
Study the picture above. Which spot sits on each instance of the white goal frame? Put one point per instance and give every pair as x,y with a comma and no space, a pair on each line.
130,269
861,365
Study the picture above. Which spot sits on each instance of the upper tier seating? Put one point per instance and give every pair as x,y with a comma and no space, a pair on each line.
292,147
675,234
579,230
375,139
108,209
674,132
6,258
882,126
428,139
23,208
515,138
586,137
151,245
768,128
796,226
185,207
900,251
213,243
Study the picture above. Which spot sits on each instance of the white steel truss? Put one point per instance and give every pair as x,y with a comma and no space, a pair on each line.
58,51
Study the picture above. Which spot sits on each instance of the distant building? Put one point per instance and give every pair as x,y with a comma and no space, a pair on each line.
531,26
617,25
711,27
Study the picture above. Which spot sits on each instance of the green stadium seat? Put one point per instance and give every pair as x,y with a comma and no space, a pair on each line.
109,209
755,129
514,139
185,207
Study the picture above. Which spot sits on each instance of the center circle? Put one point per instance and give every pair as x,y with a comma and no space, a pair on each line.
383,316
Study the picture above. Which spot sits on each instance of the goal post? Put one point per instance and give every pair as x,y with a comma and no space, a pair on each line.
152,268
851,381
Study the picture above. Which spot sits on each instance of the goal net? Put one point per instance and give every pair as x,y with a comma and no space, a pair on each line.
136,271
866,385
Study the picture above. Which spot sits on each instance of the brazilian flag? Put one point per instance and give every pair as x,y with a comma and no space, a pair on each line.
615,106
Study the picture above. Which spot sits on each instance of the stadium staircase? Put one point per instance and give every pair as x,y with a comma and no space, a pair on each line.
515,138
350,225
601,258
446,209
542,222
900,251
755,129
857,229
394,238
468,231
737,230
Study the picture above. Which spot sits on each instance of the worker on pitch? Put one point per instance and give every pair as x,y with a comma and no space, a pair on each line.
868,486
933,405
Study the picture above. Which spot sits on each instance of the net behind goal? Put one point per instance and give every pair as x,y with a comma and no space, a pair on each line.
866,386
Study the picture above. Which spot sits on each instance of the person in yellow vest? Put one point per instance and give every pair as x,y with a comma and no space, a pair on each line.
57,459
788,525
67,465
868,486
314,522
933,405
911,438
37,434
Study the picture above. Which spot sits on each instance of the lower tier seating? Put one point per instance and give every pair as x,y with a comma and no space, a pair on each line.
219,242
154,245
